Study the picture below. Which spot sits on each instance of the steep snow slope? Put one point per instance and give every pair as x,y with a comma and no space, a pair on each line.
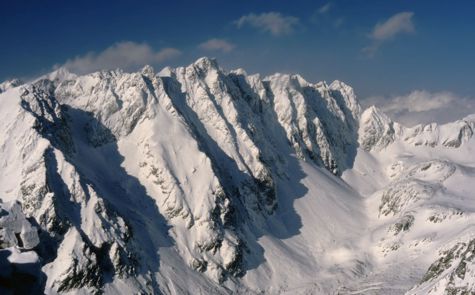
196,180
312,244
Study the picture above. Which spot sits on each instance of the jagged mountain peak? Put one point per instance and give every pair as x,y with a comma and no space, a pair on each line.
166,72
348,93
148,71
240,72
60,74
8,84
206,63
376,114
121,100
203,66
195,178
285,79
376,130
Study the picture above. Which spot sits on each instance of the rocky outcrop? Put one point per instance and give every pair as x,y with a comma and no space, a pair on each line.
125,176
453,272
377,130
20,265
205,148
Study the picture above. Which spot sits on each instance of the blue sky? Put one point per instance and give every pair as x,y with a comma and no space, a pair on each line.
381,48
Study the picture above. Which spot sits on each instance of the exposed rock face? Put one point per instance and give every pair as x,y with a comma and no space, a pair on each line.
377,130
421,182
205,148
152,182
20,266
15,230
453,272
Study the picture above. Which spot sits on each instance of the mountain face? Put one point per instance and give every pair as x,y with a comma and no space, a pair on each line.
196,180
4,86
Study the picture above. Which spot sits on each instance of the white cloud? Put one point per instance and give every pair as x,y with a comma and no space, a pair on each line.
400,23
126,55
396,24
269,22
325,8
421,106
217,45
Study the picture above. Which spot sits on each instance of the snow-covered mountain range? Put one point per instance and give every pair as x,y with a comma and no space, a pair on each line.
194,180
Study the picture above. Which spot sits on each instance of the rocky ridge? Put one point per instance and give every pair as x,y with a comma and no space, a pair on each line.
148,182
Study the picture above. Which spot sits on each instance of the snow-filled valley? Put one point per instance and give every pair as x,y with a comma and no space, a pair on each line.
194,180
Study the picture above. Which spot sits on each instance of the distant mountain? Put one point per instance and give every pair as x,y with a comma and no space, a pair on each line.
195,180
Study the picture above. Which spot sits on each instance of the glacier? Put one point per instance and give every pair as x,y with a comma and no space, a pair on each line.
197,180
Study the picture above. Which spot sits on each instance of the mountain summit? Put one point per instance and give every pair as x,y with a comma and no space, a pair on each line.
196,180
